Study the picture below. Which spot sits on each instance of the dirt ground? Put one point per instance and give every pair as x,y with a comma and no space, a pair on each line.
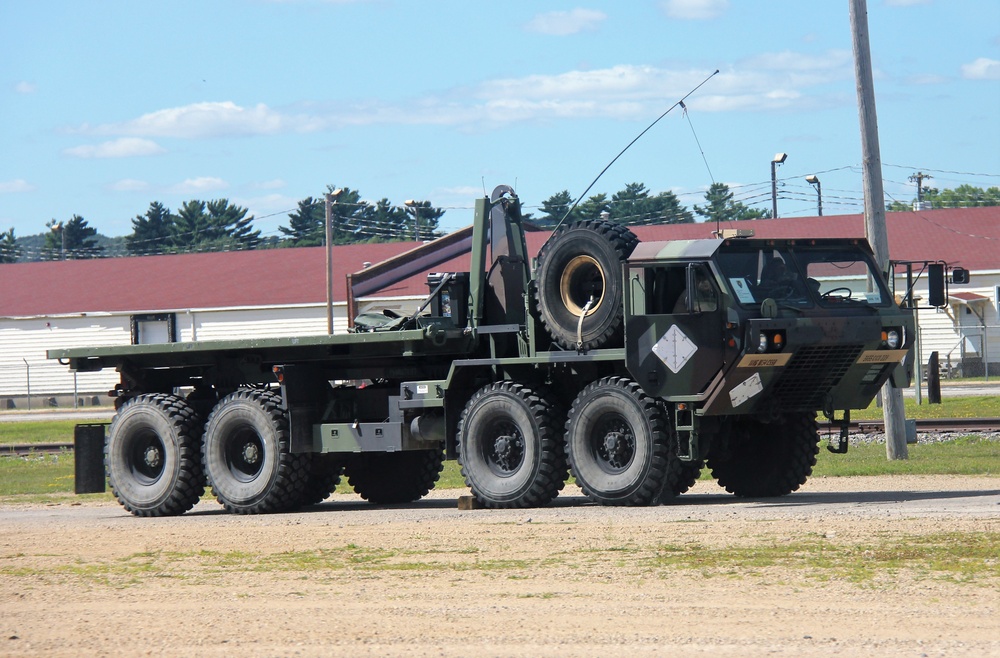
846,566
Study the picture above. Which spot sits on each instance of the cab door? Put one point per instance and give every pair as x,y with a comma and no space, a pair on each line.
674,328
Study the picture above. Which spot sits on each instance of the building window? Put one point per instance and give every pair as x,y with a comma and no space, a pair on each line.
154,328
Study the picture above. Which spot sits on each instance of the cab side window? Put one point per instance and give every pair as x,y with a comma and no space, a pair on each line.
668,294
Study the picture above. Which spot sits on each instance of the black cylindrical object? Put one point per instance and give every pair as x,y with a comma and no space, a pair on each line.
933,379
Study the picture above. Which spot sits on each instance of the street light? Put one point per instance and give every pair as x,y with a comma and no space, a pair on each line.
331,198
779,158
415,207
61,229
814,180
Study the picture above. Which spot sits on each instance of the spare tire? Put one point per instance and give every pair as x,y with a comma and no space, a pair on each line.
580,262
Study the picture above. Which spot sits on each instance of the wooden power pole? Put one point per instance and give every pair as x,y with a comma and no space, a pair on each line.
875,229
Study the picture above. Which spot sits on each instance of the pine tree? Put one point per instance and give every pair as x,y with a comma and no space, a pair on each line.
72,240
191,227
151,233
722,208
555,208
9,251
231,228
307,224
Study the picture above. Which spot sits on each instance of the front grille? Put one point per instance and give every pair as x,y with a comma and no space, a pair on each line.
812,372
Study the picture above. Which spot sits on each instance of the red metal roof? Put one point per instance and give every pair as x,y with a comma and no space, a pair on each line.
967,237
969,297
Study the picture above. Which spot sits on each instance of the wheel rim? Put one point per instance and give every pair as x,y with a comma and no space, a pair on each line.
244,454
613,444
503,449
581,280
146,457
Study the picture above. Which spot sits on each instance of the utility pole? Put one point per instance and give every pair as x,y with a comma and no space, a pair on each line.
919,178
875,229
331,199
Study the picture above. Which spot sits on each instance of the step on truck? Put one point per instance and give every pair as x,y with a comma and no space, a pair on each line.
630,366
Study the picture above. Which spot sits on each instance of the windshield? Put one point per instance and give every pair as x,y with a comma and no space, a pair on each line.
802,276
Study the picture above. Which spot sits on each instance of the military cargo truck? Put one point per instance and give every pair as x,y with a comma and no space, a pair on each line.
629,365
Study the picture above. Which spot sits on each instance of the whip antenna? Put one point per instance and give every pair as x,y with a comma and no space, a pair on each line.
594,182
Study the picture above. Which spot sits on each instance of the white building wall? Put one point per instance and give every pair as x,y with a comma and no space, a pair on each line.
24,341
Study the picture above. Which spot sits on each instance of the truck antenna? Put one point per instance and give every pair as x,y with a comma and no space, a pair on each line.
594,182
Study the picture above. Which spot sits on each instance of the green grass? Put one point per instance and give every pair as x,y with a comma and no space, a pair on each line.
812,558
37,431
967,455
41,478
980,406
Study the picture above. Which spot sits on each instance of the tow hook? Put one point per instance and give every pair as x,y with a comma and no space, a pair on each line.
842,441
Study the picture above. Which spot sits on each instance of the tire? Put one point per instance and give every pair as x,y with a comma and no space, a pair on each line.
247,458
387,478
153,456
324,475
510,447
764,460
581,260
681,476
617,440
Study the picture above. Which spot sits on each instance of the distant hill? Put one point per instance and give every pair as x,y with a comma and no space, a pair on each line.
32,247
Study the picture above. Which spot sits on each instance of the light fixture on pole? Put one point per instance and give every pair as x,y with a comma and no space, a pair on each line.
414,206
814,180
331,199
62,236
779,158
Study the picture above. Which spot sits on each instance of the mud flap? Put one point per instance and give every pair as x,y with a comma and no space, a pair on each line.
88,453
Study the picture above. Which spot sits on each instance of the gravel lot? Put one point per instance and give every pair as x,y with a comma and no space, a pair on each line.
709,576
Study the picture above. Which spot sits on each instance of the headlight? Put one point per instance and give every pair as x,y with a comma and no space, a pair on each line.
762,342
892,338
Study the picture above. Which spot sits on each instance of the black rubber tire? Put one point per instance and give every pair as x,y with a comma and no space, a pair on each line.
763,460
153,456
617,441
325,470
681,476
247,456
580,260
387,478
510,446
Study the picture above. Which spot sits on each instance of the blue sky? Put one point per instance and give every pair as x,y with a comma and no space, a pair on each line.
108,106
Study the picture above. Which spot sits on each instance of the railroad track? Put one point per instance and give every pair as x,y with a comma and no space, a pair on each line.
929,425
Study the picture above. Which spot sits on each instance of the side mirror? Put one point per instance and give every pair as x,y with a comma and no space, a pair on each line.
935,285
960,275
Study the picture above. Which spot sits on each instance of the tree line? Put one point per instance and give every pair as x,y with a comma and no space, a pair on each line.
218,225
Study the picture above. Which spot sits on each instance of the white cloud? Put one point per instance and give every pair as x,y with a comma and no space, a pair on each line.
563,23
25,87
274,184
129,185
16,185
768,81
199,185
695,9
982,69
200,120
124,147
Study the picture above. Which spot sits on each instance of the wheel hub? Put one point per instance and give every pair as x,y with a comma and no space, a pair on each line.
152,456
617,449
250,453
507,451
